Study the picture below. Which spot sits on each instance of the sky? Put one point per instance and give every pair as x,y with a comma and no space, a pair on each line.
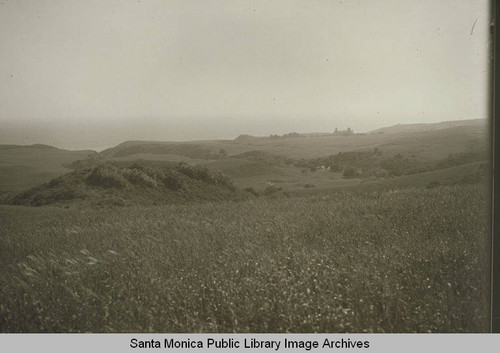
92,74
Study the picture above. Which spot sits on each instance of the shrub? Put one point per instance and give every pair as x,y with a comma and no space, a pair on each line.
56,181
206,175
271,190
252,191
107,176
139,178
172,181
350,173
335,168
433,184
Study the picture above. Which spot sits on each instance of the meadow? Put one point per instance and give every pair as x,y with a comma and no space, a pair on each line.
409,260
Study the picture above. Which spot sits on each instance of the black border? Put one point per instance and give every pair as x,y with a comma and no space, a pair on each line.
495,187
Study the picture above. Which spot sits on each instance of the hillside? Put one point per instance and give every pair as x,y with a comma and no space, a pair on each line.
429,126
297,163
464,174
430,144
109,184
22,167
131,148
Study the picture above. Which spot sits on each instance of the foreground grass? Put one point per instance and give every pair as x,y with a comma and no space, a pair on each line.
415,260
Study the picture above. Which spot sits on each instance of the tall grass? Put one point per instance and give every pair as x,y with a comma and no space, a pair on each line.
415,260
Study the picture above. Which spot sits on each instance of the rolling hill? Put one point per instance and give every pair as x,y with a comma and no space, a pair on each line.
429,126
291,163
22,167
111,184
432,143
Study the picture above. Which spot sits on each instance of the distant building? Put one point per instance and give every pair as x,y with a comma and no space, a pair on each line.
347,132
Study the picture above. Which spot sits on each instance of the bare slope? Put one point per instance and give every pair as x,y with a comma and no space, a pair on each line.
429,126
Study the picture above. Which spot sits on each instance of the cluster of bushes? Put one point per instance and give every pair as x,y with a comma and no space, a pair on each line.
398,165
138,177
153,177
54,191
355,164
367,164
481,174
109,180
269,191
252,191
110,176
266,158
206,175
107,176
461,158
284,136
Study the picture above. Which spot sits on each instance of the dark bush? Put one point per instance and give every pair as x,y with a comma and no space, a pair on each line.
433,184
107,176
252,191
350,173
335,168
139,178
56,181
206,175
172,181
271,190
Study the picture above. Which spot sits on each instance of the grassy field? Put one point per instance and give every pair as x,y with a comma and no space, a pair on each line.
412,260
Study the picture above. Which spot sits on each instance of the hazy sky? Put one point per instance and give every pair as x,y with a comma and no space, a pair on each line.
90,73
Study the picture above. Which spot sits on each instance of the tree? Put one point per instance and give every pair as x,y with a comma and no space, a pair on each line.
350,173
